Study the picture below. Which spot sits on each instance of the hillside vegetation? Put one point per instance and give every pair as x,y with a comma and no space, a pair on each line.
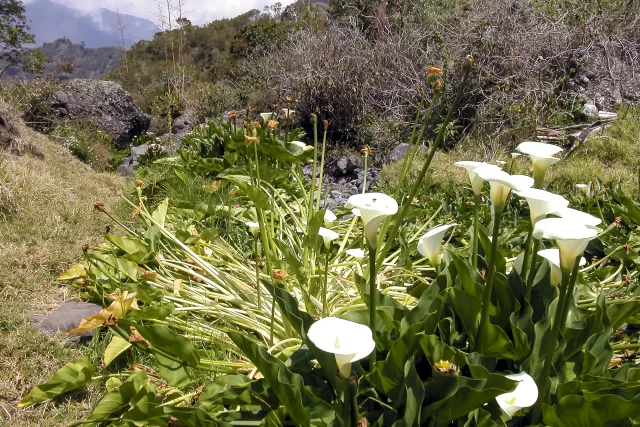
46,217
362,65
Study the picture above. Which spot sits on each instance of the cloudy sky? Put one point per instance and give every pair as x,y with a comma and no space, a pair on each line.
202,11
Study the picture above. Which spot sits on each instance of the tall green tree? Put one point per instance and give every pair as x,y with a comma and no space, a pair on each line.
14,34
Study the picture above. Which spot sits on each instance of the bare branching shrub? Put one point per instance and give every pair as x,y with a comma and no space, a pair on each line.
529,58
358,85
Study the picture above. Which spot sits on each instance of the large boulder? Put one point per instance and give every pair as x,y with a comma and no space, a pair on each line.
103,103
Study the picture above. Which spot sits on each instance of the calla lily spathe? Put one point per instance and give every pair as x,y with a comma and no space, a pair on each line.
476,181
502,183
571,237
579,216
524,396
329,218
328,236
430,245
254,227
542,156
302,145
358,254
542,203
374,208
348,341
288,113
553,256
266,117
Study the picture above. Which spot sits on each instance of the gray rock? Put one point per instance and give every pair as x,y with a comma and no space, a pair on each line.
103,103
617,96
346,166
66,318
590,111
398,153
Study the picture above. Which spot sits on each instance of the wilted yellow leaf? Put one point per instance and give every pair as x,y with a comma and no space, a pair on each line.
122,304
74,272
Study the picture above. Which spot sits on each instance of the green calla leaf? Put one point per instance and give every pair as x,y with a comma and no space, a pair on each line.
116,347
304,408
69,377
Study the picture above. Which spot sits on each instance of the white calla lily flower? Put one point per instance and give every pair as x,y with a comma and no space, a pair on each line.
288,113
302,145
542,203
374,209
476,181
553,256
514,155
254,227
266,117
584,188
501,162
502,183
356,212
579,216
358,254
542,156
329,218
348,341
430,245
524,396
571,237
328,236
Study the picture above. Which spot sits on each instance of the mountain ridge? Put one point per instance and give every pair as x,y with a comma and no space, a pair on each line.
93,30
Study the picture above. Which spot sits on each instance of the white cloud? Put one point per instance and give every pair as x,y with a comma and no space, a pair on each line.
199,11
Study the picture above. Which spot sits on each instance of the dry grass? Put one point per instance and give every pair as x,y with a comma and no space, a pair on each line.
46,216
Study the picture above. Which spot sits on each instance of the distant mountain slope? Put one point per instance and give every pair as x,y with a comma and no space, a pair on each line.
69,60
50,21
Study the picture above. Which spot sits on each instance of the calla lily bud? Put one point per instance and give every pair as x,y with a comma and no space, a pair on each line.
358,254
584,188
553,256
524,396
328,236
329,218
430,245
542,203
502,183
476,181
254,227
374,208
542,157
571,237
348,341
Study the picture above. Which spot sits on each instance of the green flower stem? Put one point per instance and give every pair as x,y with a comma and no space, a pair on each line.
625,347
531,274
569,297
322,157
364,178
568,282
476,232
325,308
258,275
599,262
527,253
372,300
312,194
491,268
413,143
346,402
432,152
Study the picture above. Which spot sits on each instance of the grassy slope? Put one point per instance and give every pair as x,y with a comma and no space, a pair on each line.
50,199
